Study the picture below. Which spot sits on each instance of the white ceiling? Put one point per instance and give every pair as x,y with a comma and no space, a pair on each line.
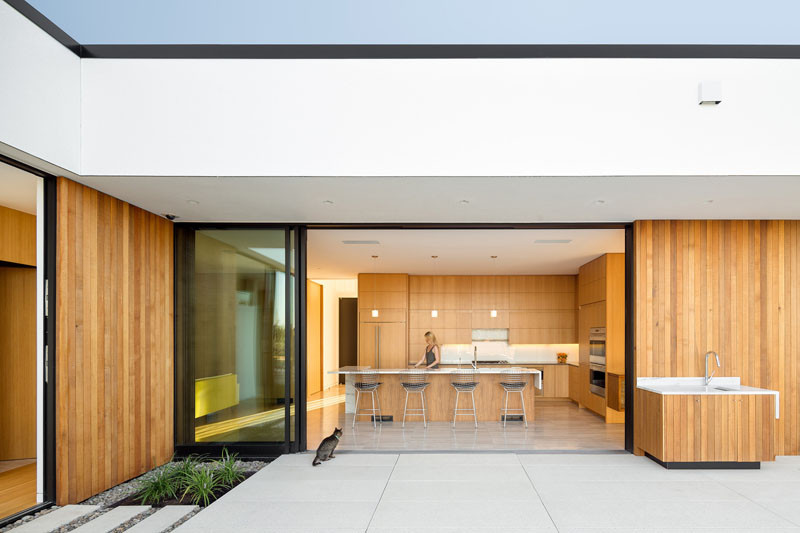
18,189
438,199
459,251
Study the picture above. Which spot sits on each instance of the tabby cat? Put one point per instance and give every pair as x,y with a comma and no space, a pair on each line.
326,447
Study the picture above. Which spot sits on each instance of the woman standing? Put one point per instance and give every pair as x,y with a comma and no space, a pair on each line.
432,355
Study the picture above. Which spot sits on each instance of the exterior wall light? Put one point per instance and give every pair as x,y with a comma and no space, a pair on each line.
709,93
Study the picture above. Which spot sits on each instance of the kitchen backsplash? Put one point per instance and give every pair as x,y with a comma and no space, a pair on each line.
513,353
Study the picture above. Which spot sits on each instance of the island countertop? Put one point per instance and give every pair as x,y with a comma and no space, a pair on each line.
499,370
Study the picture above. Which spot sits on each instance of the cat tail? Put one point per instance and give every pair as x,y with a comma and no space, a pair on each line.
315,462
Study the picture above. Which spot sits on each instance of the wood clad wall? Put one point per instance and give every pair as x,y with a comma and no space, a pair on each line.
17,363
728,286
17,237
114,344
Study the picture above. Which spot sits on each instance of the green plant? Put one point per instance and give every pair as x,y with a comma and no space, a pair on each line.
185,467
163,485
227,470
200,486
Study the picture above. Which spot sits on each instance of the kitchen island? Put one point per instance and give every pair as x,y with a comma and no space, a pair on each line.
440,396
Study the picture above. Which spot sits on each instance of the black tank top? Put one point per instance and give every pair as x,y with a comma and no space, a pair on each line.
430,357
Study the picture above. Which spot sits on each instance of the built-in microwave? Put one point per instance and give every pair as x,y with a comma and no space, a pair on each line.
597,379
597,346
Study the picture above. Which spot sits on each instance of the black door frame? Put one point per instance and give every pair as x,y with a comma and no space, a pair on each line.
49,350
630,376
299,248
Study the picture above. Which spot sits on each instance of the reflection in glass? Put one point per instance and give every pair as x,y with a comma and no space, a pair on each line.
239,333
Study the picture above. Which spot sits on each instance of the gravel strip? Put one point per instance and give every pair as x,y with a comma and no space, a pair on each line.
135,520
181,521
120,492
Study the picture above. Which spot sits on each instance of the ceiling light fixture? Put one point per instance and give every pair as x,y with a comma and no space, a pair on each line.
434,257
434,313
464,202
374,256
599,202
709,201
327,202
493,313
193,203
375,313
494,257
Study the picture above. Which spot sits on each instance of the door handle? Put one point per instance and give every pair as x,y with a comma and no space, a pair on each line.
379,346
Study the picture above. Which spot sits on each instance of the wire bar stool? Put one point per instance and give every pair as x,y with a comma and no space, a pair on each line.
414,383
514,380
366,382
465,381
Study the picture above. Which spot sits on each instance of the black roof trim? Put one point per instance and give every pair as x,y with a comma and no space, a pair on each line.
401,51
35,16
436,51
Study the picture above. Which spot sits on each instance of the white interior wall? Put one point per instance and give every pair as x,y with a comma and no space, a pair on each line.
332,290
438,117
40,93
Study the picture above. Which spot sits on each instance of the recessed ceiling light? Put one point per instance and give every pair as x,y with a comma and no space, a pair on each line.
709,201
434,257
464,202
599,202
360,242
327,202
193,202
552,241
374,256
494,257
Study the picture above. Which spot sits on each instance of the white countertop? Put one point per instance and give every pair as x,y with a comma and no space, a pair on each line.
691,386
499,370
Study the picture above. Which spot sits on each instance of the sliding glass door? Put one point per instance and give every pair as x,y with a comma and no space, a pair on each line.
236,339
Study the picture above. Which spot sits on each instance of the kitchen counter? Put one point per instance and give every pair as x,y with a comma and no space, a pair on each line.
695,386
682,422
440,396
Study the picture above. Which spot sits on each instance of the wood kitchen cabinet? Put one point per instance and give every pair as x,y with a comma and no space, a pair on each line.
555,381
383,339
575,383
601,304
681,428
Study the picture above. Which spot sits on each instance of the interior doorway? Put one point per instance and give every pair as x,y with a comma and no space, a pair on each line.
543,291
21,335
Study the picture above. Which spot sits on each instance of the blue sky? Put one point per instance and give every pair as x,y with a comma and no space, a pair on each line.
426,21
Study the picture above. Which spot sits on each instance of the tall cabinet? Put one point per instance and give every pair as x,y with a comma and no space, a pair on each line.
383,320
601,304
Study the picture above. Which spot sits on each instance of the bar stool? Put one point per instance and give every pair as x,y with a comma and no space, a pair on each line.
464,381
366,382
514,380
414,383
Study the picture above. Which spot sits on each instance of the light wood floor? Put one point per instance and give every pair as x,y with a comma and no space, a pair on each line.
17,488
559,425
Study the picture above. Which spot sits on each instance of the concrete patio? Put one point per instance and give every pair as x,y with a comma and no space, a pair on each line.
504,492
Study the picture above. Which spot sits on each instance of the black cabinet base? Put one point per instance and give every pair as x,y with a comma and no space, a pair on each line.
707,465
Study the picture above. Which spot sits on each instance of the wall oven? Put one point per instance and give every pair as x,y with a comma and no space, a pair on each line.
597,361
597,379
597,346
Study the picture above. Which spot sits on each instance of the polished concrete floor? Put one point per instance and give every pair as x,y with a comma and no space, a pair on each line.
559,425
483,492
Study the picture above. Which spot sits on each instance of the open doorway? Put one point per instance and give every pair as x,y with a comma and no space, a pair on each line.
21,258
548,301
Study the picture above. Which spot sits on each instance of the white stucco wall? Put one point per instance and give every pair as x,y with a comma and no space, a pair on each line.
453,117
40,92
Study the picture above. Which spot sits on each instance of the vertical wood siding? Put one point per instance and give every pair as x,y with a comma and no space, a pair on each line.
114,342
728,286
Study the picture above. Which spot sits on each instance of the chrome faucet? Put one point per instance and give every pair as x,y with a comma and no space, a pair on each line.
708,378
475,358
